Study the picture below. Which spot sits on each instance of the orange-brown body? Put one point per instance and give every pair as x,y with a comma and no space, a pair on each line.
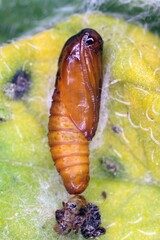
69,148
75,108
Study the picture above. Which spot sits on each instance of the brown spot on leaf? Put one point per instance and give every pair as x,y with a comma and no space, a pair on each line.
19,85
112,166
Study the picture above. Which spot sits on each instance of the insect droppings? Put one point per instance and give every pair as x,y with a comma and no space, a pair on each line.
104,194
79,216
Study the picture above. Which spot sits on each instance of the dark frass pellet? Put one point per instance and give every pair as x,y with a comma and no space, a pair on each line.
78,215
104,194
116,129
91,226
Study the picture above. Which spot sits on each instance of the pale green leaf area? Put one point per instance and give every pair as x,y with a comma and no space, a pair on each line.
124,159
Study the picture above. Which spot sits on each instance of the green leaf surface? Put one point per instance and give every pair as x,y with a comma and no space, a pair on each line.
124,152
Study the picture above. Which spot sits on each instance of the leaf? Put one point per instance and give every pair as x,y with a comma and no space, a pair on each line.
124,152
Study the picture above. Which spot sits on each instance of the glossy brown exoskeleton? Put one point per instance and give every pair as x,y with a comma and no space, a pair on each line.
74,112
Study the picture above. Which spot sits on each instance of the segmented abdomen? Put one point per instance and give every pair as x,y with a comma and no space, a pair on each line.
69,148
